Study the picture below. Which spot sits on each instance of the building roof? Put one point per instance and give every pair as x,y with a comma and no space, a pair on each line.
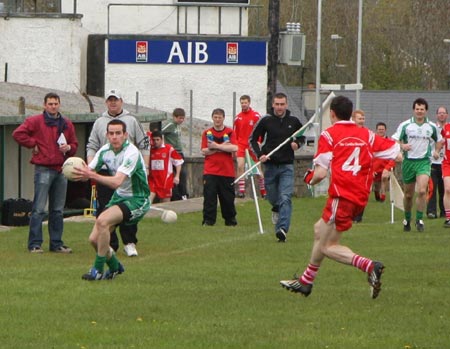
72,104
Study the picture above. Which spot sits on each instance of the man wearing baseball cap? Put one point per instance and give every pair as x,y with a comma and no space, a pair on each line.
97,138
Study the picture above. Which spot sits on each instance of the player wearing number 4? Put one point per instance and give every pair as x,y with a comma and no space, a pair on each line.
346,151
129,202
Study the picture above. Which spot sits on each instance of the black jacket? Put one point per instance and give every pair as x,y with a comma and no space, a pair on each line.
273,131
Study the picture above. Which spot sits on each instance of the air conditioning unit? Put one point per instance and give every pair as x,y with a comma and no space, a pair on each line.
292,48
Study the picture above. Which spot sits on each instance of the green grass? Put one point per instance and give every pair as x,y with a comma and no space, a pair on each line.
218,287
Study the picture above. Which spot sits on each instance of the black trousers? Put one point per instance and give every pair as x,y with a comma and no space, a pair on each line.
438,190
218,187
127,232
180,189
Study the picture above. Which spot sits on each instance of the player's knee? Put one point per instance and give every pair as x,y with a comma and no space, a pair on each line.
102,224
422,192
317,230
93,240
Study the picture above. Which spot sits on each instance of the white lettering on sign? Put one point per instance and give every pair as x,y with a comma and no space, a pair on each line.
196,53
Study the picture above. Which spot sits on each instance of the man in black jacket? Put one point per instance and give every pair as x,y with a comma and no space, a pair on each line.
274,129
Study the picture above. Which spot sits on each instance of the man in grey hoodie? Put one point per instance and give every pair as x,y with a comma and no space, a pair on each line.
97,138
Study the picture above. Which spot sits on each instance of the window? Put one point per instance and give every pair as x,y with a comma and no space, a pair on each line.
32,6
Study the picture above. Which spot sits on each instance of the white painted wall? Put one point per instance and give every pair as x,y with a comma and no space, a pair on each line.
165,87
43,52
154,20
51,52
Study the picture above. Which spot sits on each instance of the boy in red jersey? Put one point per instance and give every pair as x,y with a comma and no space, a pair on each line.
163,158
243,127
346,150
218,145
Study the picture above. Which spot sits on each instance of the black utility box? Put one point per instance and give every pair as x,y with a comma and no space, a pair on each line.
16,212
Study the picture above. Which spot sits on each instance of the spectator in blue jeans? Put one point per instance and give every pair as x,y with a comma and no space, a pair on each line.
52,140
275,128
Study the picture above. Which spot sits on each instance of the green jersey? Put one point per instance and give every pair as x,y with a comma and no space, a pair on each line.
134,190
172,135
420,136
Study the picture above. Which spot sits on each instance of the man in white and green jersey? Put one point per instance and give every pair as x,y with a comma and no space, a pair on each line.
128,204
416,137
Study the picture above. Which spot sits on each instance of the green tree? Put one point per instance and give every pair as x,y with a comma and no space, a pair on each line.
402,42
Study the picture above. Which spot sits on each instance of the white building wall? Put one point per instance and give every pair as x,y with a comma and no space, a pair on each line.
42,52
166,87
52,52
158,19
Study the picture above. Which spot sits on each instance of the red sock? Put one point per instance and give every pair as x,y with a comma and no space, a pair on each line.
309,274
447,214
241,186
382,197
362,263
262,187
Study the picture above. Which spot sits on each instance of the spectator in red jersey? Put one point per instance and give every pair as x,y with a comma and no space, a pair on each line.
163,159
359,118
436,172
218,146
446,171
243,127
345,150
381,168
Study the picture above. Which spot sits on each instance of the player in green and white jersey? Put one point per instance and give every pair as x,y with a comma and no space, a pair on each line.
129,202
416,137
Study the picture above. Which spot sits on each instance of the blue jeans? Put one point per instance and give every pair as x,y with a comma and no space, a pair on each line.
52,185
279,180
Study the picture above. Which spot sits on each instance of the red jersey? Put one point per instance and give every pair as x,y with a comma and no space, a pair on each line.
162,161
220,163
347,151
243,126
446,135
379,165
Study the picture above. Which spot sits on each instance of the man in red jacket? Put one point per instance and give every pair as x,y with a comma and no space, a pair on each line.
52,140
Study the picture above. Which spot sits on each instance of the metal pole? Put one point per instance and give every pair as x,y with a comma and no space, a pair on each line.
234,106
2,162
108,24
358,65
191,99
137,102
319,35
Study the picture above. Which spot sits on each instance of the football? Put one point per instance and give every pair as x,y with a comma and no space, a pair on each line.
169,216
69,164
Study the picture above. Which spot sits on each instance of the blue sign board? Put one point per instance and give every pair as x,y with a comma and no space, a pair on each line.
187,52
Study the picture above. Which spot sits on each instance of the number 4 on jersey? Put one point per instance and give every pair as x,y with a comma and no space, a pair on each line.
352,162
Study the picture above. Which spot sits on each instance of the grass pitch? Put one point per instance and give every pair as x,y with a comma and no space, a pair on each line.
218,287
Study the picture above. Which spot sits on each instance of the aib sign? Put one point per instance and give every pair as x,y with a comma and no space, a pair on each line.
187,52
